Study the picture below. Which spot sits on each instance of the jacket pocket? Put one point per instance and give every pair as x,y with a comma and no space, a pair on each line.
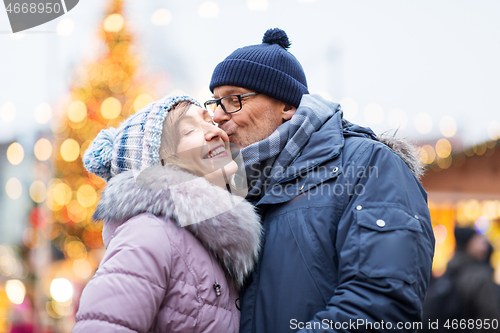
388,242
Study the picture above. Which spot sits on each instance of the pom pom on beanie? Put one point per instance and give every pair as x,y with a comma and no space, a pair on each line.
267,68
276,36
97,158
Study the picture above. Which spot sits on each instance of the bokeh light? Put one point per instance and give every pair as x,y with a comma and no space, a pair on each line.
65,27
75,250
479,149
350,107
43,113
62,193
8,112
472,209
443,148
161,16
76,212
114,23
444,163
494,130
257,5
482,225
86,195
7,261
15,290
38,191
13,188
61,290
490,208
15,153
208,9
31,238
82,268
61,309
423,122
428,154
43,149
142,100
398,119
448,126
70,150
440,233
373,113
59,194
77,111
111,108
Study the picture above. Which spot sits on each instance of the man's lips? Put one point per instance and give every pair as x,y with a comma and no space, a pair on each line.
230,130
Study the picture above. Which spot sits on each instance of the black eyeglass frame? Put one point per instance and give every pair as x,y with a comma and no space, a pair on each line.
219,101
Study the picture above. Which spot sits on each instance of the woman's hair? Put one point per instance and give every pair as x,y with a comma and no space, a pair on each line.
171,136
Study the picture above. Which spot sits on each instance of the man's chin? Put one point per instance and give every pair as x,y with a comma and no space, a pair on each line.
235,143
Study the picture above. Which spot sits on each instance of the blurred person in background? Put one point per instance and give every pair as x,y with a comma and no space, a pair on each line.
177,247
348,234
466,290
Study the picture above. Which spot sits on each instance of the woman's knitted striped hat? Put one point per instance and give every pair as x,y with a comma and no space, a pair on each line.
134,145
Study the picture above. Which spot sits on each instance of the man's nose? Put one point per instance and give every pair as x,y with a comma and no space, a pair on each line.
220,116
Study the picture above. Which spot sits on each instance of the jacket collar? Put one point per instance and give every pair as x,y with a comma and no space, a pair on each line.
225,224
324,145
325,148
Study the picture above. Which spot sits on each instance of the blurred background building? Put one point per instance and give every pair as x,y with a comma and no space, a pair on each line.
424,71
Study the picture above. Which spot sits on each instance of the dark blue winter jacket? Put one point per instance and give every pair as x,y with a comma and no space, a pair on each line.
348,239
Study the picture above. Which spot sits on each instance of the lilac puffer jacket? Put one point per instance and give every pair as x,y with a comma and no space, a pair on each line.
178,248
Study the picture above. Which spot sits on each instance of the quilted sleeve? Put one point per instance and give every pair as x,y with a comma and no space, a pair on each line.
126,292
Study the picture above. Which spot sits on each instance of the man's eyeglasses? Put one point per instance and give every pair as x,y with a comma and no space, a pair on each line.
230,103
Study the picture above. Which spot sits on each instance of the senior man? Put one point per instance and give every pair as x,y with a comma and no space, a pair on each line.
348,241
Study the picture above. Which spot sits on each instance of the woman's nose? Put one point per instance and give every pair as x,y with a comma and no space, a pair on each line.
212,132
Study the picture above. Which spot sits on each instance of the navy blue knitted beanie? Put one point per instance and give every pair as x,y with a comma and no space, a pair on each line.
267,68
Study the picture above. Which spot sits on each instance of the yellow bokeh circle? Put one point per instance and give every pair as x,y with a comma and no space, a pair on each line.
38,191
62,194
43,149
70,150
114,23
142,100
77,111
443,148
15,153
76,250
429,154
111,108
86,195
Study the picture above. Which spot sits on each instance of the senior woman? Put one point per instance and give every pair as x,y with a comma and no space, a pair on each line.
178,243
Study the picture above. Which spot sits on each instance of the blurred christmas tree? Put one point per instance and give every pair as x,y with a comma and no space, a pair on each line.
102,94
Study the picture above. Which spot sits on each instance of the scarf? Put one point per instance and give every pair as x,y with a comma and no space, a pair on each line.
266,161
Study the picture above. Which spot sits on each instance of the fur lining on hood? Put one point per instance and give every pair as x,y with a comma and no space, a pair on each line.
225,224
406,151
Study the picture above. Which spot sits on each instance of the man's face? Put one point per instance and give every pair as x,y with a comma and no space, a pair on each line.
258,118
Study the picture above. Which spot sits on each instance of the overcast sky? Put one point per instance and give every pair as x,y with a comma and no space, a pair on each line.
427,59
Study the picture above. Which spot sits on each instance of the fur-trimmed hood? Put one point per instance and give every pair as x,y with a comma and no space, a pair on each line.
407,151
224,223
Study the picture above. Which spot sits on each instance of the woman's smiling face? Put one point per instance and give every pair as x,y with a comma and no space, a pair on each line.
202,145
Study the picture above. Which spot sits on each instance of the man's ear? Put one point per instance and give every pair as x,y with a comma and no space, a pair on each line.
288,111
